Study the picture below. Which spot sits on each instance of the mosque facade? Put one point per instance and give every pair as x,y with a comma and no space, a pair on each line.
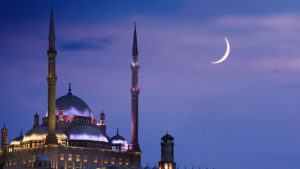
69,137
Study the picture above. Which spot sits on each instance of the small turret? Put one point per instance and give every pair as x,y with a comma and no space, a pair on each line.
102,125
4,145
102,118
36,120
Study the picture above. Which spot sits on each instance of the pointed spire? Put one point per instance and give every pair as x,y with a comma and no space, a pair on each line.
51,34
51,30
118,133
70,90
21,134
134,46
4,127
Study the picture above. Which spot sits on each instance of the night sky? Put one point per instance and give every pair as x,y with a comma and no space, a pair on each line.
241,114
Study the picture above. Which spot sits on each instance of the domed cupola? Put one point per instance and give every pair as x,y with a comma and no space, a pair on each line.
73,105
40,132
87,133
17,140
118,143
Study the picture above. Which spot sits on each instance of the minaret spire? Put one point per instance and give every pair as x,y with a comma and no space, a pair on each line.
134,90
51,78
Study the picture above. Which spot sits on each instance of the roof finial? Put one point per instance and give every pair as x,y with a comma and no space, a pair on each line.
21,133
70,90
134,46
4,126
117,131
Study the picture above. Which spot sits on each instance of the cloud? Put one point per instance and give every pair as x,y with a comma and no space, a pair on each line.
85,44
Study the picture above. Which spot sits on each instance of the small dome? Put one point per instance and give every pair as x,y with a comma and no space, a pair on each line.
73,105
86,132
40,133
117,139
42,158
17,140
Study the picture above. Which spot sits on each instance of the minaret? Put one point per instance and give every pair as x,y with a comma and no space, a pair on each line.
102,118
134,90
36,120
51,78
102,124
167,152
4,145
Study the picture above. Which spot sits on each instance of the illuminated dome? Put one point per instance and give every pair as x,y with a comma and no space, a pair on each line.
117,139
17,140
72,105
40,133
86,132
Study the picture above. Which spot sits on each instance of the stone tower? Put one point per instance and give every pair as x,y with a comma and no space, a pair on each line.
167,153
134,90
4,145
51,78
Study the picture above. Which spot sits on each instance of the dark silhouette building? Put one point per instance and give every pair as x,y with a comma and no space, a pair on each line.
167,153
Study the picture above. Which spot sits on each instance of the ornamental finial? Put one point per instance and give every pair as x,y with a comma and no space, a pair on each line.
70,90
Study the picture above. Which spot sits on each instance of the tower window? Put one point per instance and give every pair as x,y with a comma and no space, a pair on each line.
126,162
70,157
85,158
96,159
77,158
120,161
113,161
62,157
105,160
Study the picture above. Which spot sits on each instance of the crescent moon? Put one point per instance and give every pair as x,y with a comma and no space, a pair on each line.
226,53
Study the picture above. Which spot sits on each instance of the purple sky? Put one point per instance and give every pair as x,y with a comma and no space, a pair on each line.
241,114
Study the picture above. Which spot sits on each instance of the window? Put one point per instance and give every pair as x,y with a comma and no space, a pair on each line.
82,121
120,161
77,158
77,120
33,145
96,159
126,162
113,148
87,121
33,157
70,157
62,157
113,161
85,158
105,160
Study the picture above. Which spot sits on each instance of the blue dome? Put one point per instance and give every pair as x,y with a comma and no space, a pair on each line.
72,105
86,132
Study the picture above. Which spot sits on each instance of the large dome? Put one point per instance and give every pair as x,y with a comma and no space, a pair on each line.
72,105
86,132
40,133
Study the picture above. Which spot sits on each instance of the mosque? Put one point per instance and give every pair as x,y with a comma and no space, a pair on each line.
69,137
